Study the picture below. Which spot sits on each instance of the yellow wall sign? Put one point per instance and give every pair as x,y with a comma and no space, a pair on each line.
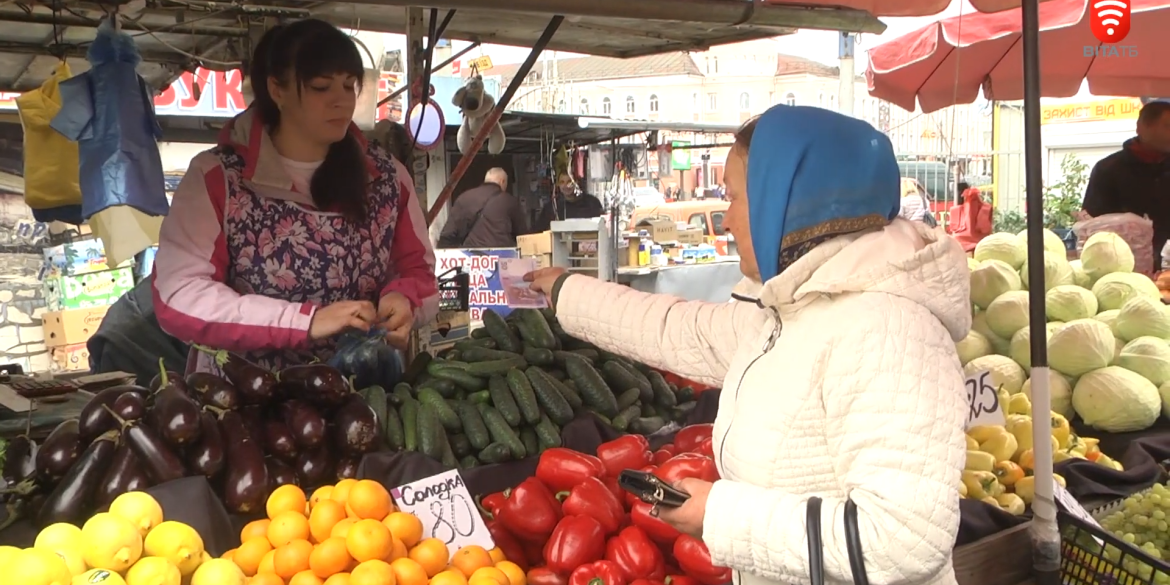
1119,109
481,63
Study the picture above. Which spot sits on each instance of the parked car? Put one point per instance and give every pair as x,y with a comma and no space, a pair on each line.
706,214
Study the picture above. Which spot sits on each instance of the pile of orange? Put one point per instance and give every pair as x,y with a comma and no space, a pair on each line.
351,534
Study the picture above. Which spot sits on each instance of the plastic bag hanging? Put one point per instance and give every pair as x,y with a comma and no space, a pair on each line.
51,186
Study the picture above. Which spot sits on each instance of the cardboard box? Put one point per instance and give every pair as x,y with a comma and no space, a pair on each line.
535,244
692,236
543,260
96,289
69,358
72,326
77,258
660,230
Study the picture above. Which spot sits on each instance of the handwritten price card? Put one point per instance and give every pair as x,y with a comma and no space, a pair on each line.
983,400
446,509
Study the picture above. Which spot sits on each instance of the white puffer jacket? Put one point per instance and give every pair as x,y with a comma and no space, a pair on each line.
845,384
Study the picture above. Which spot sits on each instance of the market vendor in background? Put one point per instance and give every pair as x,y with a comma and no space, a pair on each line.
568,202
1136,179
487,216
294,229
841,381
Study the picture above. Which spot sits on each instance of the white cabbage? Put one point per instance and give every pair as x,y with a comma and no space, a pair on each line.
1020,349
1142,316
1052,242
1059,393
1112,290
1164,390
1106,253
1109,318
1005,373
1081,346
1080,277
1008,313
1003,247
1149,357
974,345
1056,271
1069,302
990,280
1116,400
972,263
998,344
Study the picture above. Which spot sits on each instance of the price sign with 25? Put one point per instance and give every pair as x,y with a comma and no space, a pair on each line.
983,401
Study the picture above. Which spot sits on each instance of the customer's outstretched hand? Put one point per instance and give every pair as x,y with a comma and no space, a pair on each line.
543,280
688,518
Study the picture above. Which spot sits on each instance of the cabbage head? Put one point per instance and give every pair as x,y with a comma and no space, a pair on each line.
1059,393
1020,349
1080,278
999,345
972,263
1142,316
1106,253
1109,318
1164,390
974,345
1116,400
991,279
1005,373
1057,271
1118,345
1052,326
1008,313
1112,290
1081,346
1052,242
1003,247
1149,357
1069,302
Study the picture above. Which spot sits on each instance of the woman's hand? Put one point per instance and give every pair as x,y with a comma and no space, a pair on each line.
688,518
543,280
397,317
333,319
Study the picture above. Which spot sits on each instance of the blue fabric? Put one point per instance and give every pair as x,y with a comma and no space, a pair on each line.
109,112
65,214
813,175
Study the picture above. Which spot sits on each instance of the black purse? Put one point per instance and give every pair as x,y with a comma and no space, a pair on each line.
816,553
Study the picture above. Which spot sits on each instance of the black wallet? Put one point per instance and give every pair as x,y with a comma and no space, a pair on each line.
648,488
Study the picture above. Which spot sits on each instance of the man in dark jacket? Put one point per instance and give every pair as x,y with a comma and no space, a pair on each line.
485,217
1136,179
568,203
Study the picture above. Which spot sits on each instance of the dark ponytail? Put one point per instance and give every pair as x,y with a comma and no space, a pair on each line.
297,53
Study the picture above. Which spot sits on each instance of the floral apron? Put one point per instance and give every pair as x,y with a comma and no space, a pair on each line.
284,251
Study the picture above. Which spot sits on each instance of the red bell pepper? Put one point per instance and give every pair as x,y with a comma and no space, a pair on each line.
546,576
530,512
598,573
636,554
646,582
663,454
655,528
491,503
611,484
705,448
507,543
535,553
695,560
688,438
626,452
678,580
592,498
686,465
577,540
561,469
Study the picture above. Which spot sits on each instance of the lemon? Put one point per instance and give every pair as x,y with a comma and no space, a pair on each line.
98,577
37,566
153,571
6,554
110,543
66,541
177,543
140,509
218,572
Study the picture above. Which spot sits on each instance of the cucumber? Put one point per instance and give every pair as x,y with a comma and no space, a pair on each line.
445,388
524,395
618,377
447,416
561,356
495,453
647,425
681,412
528,437
548,313
465,344
483,354
448,454
481,396
376,398
587,353
503,400
569,391
649,409
604,419
401,393
685,394
452,354
603,355
501,432
409,412
473,426
468,462
417,367
461,378
539,357
551,400
498,329
621,422
547,434
393,430
497,367
592,386
460,445
628,398
481,333
430,431
663,396
557,374
439,364
536,331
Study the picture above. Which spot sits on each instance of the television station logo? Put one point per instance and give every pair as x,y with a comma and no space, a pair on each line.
1109,21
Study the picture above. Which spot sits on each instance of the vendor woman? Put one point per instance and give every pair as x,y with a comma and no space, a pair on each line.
294,229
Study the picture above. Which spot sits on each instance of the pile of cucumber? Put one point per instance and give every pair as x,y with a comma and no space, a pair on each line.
505,393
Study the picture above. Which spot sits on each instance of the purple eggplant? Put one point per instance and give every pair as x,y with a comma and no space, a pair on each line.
94,419
253,416
279,441
160,463
314,468
254,384
124,475
59,451
16,454
318,383
356,429
170,375
71,501
208,454
130,406
211,390
245,484
347,467
304,422
174,414
279,473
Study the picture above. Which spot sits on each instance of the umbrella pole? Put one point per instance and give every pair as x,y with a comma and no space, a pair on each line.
1045,534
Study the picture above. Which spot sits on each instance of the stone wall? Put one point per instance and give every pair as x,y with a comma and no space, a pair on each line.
21,298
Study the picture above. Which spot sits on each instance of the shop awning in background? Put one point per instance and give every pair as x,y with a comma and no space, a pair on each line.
947,62
904,7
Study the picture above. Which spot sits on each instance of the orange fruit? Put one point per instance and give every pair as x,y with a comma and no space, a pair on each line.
268,564
255,528
471,558
489,576
369,500
408,572
329,557
449,577
497,555
405,527
292,558
342,527
432,554
288,526
375,572
320,494
250,555
399,551
515,574
338,579
340,492
305,577
286,498
265,579
228,555
323,518
369,539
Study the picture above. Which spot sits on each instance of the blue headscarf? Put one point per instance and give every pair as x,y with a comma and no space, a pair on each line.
814,175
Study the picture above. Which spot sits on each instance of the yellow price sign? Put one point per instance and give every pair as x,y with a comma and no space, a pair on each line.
480,63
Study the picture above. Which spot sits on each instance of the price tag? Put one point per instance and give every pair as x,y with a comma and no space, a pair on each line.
1065,500
446,509
983,401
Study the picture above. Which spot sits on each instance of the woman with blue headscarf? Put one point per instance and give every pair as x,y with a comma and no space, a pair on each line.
840,380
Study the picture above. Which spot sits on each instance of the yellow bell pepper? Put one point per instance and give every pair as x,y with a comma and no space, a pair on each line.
1021,429
1026,488
980,461
1027,460
1013,503
1061,430
981,484
990,501
1001,446
1019,404
1008,472
1060,479
1074,445
972,444
1062,455
1005,398
962,490
984,432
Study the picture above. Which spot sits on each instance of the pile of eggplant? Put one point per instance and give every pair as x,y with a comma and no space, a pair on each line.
247,432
